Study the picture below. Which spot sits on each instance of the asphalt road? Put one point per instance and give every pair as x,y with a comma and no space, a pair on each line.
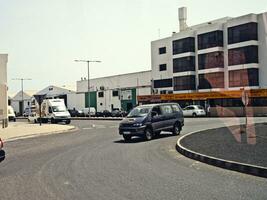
95,163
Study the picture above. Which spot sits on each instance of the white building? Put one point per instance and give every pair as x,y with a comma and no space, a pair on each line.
20,101
3,90
224,54
119,91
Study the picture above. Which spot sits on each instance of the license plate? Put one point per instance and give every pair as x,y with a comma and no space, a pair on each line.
126,132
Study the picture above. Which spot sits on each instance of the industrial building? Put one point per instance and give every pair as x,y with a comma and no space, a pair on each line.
21,100
3,90
212,63
119,91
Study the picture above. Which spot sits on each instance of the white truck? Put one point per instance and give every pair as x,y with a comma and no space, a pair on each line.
52,110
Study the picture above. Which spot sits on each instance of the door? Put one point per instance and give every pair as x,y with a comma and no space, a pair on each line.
157,119
188,111
168,116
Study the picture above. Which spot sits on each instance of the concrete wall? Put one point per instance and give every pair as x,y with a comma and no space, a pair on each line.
3,90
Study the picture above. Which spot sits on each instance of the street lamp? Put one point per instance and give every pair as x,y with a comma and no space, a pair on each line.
88,79
22,95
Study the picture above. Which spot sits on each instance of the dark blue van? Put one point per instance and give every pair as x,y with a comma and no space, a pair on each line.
149,120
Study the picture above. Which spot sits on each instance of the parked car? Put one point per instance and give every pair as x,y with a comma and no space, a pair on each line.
11,114
150,120
86,111
194,111
27,112
2,152
116,112
104,113
76,113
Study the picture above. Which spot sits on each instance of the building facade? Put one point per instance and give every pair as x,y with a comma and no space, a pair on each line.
223,55
119,91
3,90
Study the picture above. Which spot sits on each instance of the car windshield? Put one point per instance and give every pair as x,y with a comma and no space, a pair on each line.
59,108
139,112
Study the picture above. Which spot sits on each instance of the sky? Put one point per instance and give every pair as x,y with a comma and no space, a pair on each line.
43,38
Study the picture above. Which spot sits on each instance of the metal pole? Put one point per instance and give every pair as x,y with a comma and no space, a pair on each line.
89,97
22,97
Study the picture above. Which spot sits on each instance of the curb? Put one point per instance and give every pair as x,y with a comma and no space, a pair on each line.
40,134
225,164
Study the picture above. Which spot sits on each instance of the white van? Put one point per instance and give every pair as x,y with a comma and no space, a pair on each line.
52,110
11,114
86,112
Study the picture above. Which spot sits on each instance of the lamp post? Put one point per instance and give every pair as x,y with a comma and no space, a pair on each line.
22,87
88,79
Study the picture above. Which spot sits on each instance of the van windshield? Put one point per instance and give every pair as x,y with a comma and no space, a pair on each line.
59,108
139,112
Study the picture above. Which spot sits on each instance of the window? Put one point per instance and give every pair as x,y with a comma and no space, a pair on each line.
162,50
184,64
175,108
211,80
157,110
183,45
211,39
115,93
243,55
244,32
163,92
211,60
257,102
163,67
244,77
100,94
184,83
166,109
163,83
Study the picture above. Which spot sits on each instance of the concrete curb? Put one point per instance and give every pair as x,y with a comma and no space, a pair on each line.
89,118
41,134
226,164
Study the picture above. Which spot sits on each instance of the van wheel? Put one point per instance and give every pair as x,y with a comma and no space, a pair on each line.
148,134
194,114
53,121
67,122
127,138
176,129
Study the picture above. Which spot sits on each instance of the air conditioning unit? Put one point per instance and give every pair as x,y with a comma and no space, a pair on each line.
102,88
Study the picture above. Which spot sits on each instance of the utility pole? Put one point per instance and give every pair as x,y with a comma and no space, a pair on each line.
22,90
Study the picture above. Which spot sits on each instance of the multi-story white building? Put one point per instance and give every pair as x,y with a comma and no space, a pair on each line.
211,63
119,91
3,90
225,54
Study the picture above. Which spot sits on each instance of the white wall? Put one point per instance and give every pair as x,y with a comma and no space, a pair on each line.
76,101
262,31
3,89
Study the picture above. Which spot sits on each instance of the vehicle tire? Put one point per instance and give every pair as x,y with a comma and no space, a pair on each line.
194,114
148,134
53,121
127,138
14,120
157,133
35,121
67,122
176,129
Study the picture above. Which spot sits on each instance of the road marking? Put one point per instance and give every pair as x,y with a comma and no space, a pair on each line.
87,128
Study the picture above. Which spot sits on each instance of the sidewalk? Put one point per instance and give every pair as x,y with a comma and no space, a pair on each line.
21,130
228,148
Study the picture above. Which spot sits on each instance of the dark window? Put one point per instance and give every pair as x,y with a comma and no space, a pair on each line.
244,32
211,80
183,45
257,102
226,102
243,55
115,93
211,39
162,50
184,83
162,67
157,110
163,83
211,60
163,92
184,64
100,94
244,77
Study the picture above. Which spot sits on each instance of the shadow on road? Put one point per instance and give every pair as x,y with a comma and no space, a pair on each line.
136,139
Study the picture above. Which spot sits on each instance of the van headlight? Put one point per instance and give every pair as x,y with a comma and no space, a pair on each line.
137,124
